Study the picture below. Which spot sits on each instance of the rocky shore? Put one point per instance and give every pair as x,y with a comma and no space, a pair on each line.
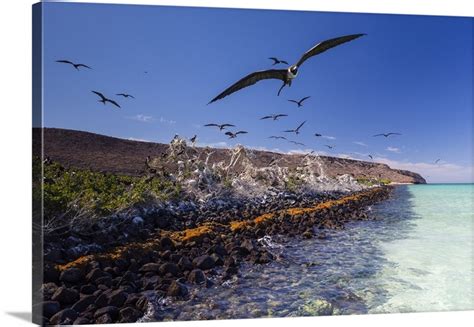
164,253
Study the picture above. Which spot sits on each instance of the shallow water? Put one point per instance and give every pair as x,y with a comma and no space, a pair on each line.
417,255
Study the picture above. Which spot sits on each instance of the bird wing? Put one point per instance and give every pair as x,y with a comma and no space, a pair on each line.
326,45
113,102
229,133
393,134
317,135
378,135
305,98
100,94
284,62
227,125
131,96
281,115
274,59
82,65
266,117
301,125
251,79
122,94
294,101
289,131
65,62
241,132
208,125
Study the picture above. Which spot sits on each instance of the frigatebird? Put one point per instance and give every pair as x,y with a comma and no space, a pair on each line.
193,139
297,143
73,64
103,99
221,126
285,75
330,146
296,130
277,137
387,134
234,135
437,160
370,156
126,95
277,61
299,102
274,117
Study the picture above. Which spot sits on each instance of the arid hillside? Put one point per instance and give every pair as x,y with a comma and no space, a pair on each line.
84,150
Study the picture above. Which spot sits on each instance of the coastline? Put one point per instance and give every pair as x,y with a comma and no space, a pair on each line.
114,286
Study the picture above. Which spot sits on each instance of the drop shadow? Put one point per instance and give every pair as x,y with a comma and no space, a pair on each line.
22,315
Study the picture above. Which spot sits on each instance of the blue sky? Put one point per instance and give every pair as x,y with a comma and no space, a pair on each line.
410,74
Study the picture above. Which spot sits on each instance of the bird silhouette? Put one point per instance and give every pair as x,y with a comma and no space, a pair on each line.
297,143
73,64
318,135
193,139
274,117
437,160
234,135
104,99
125,95
277,137
330,146
300,102
285,75
296,130
220,126
370,156
277,61
386,134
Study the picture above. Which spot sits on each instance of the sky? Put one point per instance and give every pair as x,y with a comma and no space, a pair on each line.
409,74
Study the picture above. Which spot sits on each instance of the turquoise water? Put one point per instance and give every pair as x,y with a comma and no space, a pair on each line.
416,255
431,267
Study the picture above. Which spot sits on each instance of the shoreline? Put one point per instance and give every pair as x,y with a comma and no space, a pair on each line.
110,287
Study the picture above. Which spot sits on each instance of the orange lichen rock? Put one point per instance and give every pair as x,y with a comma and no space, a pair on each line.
133,249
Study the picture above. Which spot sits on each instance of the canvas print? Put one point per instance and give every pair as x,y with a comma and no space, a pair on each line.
203,163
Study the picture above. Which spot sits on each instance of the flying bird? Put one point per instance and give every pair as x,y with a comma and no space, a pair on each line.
73,64
370,156
387,134
330,146
297,143
437,160
300,102
274,117
285,75
125,95
277,137
234,135
104,99
296,130
277,61
318,135
221,126
193,139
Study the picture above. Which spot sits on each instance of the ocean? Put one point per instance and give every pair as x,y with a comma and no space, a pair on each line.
415,255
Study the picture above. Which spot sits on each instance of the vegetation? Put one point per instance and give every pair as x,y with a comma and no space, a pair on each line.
69,192
373,181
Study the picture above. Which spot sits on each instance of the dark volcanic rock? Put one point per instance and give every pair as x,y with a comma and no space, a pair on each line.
65,295
177,289
150,267
94,274
170,268
64,317
196,277
129,314
109,310
117,298
185,264
71,275
84,302
50,308
204,262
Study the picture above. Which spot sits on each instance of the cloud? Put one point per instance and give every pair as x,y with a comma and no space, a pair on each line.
360,143
329,137
435,173
393,149
167,121
220,144
138,139
142,118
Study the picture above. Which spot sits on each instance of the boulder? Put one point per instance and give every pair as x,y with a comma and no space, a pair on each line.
177,289
71,275
64,317
65,295
204,262
196,276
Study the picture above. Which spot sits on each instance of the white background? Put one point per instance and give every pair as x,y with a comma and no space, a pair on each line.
15,149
